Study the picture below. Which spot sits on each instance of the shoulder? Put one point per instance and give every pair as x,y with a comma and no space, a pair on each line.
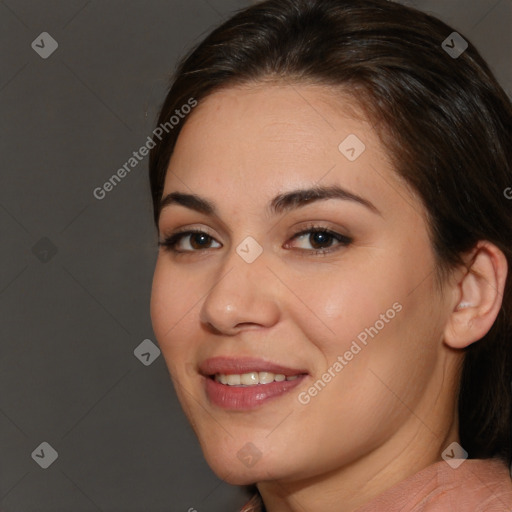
476,485
480,485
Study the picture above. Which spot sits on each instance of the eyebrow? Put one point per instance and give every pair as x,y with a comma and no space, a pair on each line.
279,204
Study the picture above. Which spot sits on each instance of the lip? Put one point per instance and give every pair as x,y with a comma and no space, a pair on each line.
240,365
244,398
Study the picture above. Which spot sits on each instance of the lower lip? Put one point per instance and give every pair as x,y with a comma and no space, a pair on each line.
243,398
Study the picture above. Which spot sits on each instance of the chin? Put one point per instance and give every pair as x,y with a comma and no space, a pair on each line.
239,469
240,479
236,474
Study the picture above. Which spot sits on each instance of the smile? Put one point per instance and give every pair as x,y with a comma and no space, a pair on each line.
252,378
245,383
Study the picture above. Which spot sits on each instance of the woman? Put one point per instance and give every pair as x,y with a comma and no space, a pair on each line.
331,294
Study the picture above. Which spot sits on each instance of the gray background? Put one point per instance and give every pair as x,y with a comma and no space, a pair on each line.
75,271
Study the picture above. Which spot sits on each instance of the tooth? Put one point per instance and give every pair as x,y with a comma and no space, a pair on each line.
252,378
233,380
266,377
249,378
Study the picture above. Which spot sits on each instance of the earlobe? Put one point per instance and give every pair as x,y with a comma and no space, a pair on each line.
479,295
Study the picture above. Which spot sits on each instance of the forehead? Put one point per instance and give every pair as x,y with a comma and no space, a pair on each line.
297,120
253,142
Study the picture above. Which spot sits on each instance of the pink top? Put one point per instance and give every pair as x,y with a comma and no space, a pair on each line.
477,485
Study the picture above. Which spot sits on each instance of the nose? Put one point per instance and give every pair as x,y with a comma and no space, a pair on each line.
245,295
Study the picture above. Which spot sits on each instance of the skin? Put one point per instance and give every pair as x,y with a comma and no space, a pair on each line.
391,411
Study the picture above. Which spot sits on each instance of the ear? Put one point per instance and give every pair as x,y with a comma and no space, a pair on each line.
478,295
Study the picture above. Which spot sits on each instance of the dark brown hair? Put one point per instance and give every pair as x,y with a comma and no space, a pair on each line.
446,123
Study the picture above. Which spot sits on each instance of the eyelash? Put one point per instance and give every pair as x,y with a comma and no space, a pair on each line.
169,244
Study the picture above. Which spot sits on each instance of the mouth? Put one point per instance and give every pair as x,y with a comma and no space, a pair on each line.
251,378
247,383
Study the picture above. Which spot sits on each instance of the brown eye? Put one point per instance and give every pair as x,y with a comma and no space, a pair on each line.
321,240
197,240
200,240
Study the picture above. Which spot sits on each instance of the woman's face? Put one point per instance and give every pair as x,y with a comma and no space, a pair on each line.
351,309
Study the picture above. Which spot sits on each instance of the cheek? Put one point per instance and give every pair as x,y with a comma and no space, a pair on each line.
385,336
172,314
370,318
162,309
171,309
336,307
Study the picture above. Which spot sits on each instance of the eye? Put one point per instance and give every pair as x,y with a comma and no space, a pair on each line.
194,240
321,240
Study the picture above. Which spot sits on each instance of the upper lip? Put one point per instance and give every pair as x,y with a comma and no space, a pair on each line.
241,365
